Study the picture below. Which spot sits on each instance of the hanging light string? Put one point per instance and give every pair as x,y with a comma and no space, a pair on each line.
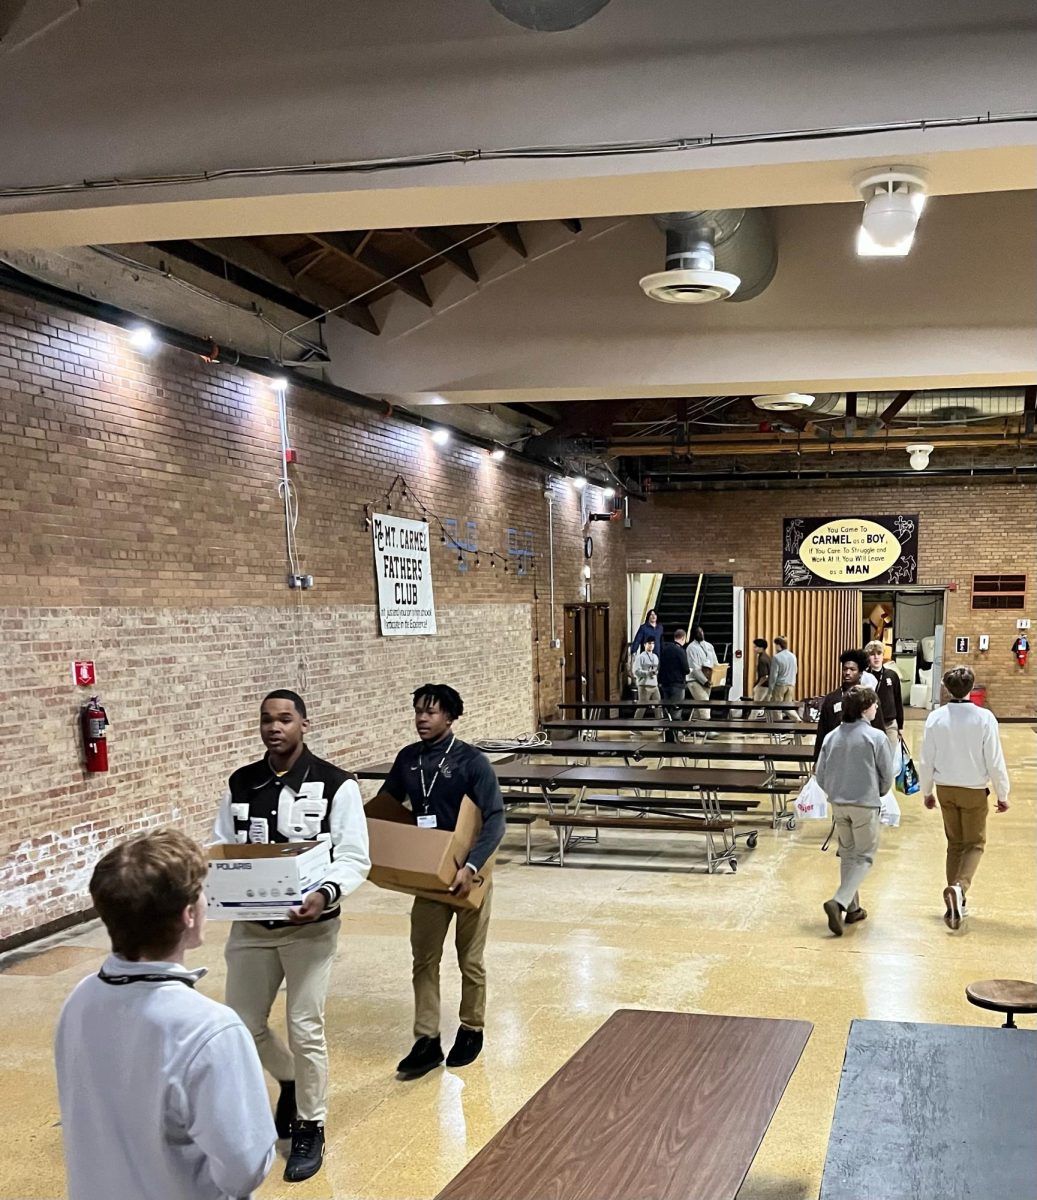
401,489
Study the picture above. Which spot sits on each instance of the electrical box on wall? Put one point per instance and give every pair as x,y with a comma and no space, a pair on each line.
984,641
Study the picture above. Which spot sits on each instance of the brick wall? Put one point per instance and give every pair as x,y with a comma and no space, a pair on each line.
964,529
142,529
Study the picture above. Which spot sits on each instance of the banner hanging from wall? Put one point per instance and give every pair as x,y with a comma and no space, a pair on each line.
820,551
403,568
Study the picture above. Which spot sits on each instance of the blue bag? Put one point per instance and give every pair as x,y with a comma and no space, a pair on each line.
907,776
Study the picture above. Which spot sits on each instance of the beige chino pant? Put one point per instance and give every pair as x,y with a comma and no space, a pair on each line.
857,829
784,694
965,823
429,924
258,959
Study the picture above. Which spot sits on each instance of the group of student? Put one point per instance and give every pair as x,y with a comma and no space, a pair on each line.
858,753
161,1088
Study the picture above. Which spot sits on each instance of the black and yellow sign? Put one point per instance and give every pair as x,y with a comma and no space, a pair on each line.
820,551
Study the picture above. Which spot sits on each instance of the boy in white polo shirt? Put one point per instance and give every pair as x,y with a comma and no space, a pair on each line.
162,1095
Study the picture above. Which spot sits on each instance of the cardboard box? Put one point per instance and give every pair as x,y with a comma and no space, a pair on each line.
260,883
718,676
423,862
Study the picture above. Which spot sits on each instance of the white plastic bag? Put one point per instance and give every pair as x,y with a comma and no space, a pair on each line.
889,810
812,802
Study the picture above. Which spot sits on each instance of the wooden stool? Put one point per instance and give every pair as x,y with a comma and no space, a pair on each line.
1009,996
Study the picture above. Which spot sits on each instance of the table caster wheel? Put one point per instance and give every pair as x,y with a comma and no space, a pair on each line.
734,864
790,823
750,841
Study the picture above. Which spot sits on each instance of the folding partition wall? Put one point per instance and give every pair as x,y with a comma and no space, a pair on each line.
820,623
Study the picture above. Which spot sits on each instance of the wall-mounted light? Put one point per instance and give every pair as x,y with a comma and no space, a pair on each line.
142,337
920,452
893,201
441,436
497,454
587,572
279,383
579,483
609,492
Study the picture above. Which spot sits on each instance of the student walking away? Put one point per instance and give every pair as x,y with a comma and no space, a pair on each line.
702,658
162,1095
761,676
890,694
291,795
646,675
435,774
852,664
649,630
962,761
782,681
673,676
855,768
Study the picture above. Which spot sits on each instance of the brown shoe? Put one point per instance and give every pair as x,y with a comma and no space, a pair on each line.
856,914
834,913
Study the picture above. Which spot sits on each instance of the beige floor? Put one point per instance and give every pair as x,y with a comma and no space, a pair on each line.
570,946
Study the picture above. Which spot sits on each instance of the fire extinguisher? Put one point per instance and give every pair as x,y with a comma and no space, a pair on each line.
93,720
1021,648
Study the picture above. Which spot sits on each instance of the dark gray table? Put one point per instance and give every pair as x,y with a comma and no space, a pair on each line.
941,1112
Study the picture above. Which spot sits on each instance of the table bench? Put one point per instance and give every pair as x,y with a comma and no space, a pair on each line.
946,1111
654,1106
565,823
772,729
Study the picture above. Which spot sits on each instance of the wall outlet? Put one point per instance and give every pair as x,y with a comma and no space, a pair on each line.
556,643
300,581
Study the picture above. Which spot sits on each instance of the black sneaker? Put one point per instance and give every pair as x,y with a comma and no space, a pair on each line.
466,1048
426,1054
307,1151
834,913
285,1113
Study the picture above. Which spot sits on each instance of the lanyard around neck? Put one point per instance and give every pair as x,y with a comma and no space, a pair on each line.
427,791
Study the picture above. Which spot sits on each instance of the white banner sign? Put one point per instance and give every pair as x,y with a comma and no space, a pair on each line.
403,568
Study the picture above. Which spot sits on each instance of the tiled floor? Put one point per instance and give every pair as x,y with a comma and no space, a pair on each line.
567,948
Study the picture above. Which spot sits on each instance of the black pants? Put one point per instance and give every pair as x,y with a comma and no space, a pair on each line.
674,711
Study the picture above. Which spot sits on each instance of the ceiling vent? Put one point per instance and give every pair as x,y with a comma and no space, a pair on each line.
718,254
783,402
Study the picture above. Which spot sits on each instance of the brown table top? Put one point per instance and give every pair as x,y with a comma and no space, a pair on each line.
513,774
668,779
625,705
733,751
655,1106
645,724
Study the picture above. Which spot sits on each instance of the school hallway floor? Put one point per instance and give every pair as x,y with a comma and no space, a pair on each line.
627,927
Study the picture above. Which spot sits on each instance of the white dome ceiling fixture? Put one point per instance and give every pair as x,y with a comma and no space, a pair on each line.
893,201
783,402
919,453
548,16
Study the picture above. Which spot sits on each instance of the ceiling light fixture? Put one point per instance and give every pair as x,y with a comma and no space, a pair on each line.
579,483
497,454
141,337
893,201
279,383
784,401
441,436
920,452
609,492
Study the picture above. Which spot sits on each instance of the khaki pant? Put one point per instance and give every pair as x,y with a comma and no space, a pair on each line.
893,733
429,923
784,694
965,823
857,829
646,695
760,693
699,692
258,959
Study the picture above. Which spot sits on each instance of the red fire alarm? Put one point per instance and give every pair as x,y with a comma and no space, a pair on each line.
289,455
83,674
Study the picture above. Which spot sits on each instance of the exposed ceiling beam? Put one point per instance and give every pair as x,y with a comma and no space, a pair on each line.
508,232
706,447
443,244
573,226
257,271
377,265
1029,407
894,407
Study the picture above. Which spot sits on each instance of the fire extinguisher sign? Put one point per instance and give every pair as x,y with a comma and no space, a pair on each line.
961,645
83,674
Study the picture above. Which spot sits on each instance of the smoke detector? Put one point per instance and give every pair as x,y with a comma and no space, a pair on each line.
694,286
783,402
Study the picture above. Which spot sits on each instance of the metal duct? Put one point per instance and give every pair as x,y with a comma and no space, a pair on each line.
548,16
714,254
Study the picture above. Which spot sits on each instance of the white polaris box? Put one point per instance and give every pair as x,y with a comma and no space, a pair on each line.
261,882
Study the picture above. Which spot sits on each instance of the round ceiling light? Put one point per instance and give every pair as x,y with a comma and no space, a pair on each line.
783,401
548,16
920,452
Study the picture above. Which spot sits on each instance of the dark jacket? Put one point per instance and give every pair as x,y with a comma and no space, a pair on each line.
763,669
452,770
653,632
891,698
831,717
673,666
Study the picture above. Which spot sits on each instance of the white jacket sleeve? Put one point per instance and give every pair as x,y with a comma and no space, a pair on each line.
994,761
223,829
925,763
350,853
228,1112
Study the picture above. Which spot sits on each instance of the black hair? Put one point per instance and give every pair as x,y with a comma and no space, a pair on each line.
856,703
761,642
285,694
854,656
441,694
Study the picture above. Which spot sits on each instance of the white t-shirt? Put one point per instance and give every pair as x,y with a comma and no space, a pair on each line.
162,1095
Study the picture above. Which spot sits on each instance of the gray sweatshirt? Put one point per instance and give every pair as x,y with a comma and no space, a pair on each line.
855,765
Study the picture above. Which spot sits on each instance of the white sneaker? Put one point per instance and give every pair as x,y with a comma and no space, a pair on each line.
954,900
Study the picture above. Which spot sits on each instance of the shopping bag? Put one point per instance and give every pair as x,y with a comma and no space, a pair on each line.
812,803
907,776
889,810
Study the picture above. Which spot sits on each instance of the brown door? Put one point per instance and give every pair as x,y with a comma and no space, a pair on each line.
587,676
